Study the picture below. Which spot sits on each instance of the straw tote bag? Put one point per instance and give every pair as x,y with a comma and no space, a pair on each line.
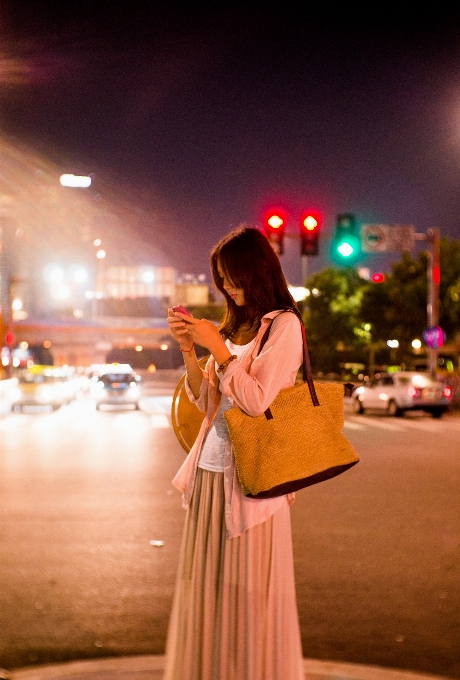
298,441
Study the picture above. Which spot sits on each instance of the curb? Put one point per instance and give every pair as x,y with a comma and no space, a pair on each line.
151,667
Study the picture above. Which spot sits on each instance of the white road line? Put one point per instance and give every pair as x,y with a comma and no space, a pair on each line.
354,426
159,420
382,424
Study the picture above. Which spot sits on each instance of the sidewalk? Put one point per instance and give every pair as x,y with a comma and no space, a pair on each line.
151,668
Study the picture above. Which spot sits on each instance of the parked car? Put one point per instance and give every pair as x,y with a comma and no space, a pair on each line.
41,386
395,393
116,385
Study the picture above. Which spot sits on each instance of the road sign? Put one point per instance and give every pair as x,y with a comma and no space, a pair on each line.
434,337
380,238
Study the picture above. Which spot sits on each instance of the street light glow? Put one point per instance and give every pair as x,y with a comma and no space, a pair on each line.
53,273
75,181
393,343
16,304
101,254
416,344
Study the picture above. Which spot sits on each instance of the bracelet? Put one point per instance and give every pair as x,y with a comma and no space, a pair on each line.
223,366
185,351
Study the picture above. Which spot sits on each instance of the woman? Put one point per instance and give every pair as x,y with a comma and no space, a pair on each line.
234,614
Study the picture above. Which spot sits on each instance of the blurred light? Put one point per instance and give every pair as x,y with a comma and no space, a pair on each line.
315,292
275,221
101,254
138,348
60,292
447,392
97,242
148,276
436,275
53,273
364,273
299,292
23,345
416,344
78,313
89,294
378,277
47,344
5,361
164,346
75,181
413,391
16,304
393,343
367,326
152,368
345,249
80,275
16,362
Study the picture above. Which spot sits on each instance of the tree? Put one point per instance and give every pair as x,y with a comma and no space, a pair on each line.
332,316
398,307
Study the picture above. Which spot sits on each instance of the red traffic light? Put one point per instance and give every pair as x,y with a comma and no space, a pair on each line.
274,225
378,277
310,223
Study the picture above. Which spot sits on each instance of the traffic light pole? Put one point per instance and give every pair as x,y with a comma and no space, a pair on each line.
304,270
434,276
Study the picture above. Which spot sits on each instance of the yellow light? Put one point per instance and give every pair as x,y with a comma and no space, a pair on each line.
138,348
416,344
47,344
164,346
310,223
275,221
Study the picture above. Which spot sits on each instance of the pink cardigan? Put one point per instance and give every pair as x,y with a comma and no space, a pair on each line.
252,383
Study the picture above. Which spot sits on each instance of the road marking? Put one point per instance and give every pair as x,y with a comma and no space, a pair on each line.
381,424
159,420
354,426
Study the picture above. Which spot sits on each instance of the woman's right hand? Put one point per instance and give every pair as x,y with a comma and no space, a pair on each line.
178,328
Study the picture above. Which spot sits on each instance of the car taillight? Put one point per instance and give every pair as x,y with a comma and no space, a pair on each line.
413,392
447,392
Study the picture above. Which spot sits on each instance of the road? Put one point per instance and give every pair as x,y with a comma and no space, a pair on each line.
83,494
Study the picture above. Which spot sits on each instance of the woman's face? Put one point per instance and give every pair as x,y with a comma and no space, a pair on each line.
237,294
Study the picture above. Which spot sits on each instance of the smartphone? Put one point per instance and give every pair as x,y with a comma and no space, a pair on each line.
182,310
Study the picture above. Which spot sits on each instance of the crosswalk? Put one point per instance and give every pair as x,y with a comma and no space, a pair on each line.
155,413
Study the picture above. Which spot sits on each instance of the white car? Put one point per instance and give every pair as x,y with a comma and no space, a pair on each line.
116,385
395,393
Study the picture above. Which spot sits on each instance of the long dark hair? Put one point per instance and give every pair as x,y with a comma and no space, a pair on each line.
249,261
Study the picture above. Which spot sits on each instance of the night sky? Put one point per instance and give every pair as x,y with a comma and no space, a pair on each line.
214,113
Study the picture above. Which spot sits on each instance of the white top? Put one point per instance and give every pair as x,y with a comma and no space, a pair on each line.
213,450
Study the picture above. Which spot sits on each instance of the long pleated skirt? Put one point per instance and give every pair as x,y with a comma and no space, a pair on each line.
234,614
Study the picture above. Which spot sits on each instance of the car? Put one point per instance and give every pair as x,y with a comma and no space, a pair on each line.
396,393
116,385
41,386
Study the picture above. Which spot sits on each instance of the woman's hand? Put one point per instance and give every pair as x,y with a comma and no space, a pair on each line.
186,329
179,329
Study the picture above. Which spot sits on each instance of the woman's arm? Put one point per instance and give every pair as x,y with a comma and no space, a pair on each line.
273,369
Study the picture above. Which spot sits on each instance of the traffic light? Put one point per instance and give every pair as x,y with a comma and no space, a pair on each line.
310,224
346,245
378,277
274,225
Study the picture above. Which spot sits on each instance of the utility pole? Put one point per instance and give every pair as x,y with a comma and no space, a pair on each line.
434,279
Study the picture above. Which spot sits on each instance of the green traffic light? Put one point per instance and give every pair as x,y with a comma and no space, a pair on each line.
345,249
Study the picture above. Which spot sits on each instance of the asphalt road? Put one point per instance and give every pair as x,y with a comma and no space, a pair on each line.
83,494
